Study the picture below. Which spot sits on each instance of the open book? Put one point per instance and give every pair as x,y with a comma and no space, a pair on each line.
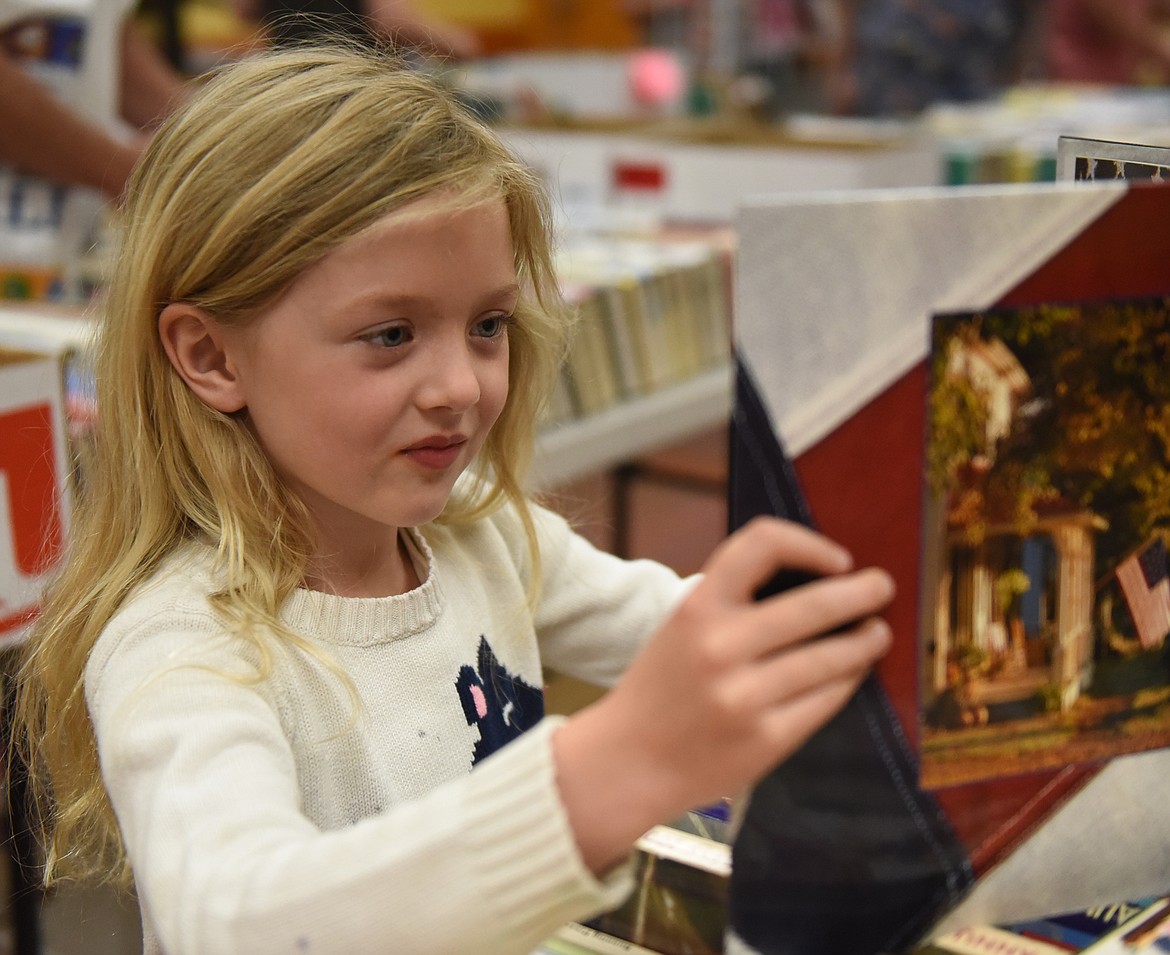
893,348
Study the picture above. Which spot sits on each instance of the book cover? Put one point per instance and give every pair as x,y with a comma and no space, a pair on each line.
1147,933
1076,931
843,847
1045,581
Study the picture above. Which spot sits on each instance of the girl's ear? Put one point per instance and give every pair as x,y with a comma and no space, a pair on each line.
197,347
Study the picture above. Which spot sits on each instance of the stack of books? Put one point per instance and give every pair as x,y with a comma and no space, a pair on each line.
653,311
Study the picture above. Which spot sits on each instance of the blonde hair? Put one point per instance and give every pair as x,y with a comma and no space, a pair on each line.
279,159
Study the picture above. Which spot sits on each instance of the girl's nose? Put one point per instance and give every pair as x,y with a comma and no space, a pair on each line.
452,381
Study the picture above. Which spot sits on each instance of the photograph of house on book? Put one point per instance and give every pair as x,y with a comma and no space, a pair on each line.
1046,595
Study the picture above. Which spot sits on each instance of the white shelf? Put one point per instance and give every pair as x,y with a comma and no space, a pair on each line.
632,428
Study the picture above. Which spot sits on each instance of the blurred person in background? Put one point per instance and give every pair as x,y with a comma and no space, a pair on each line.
897,57
81,90
45,131
781,45
1109,41
665,23
398,22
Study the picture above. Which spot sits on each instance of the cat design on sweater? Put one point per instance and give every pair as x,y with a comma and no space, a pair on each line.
501,705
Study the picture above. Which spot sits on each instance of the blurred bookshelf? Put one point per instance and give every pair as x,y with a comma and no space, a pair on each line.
631,428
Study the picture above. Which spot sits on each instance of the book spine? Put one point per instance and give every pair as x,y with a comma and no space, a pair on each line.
597,942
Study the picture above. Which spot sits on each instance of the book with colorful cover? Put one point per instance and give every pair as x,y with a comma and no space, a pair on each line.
1044,577
1076,931
1147,933
846,847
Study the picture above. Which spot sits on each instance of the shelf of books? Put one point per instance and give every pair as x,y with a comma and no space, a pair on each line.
650,360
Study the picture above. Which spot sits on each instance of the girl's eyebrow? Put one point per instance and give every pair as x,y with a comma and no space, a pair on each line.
511,290
389,299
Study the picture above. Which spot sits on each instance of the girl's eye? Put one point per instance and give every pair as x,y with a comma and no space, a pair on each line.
493,326
390,337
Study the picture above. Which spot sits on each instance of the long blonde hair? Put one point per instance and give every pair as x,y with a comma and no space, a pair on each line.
276,161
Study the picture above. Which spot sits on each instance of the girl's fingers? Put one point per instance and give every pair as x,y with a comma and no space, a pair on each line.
810,667
816,608
788,727
750,557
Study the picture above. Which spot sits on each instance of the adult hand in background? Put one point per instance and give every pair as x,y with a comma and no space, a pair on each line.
41,135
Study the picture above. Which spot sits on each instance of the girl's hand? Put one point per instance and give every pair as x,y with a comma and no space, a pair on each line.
728,688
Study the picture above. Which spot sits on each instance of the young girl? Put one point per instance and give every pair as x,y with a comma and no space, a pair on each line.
288,681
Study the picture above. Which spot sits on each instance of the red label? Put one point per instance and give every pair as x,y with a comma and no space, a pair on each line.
639,175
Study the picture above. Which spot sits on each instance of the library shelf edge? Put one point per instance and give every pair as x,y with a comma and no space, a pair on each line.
626,430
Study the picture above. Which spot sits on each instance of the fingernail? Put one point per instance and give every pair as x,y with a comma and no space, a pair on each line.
881,630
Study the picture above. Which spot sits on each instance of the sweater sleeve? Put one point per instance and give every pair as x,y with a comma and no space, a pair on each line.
202,780
596,610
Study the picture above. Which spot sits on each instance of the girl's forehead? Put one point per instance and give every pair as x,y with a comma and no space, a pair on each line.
442,213
410,249
424,223
442,204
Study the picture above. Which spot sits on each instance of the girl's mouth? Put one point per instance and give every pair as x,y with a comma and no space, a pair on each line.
436,454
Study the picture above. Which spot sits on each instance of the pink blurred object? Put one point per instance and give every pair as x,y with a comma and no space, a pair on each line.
656,77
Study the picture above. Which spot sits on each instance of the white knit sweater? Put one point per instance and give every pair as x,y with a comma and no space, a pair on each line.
274,816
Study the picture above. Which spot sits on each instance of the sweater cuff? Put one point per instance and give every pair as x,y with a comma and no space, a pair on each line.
531,862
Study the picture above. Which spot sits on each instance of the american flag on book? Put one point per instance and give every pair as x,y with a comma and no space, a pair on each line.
1144,577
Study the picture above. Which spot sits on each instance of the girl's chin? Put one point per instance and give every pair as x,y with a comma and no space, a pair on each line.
424,513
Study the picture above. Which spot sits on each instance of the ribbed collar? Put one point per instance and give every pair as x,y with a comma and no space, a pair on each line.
366,621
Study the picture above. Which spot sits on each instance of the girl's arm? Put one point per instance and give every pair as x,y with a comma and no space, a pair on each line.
213,807
727,689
